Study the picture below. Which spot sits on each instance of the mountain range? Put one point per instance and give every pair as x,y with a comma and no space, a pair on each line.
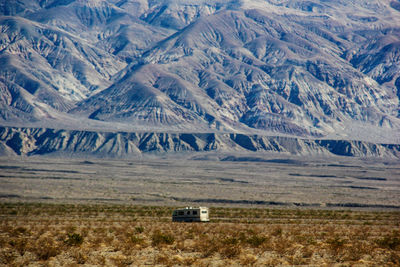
304,69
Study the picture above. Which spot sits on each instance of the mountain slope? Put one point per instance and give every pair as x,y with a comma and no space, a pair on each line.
255,68
288,67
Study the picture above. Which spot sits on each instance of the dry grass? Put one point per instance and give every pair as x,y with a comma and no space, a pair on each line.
69,235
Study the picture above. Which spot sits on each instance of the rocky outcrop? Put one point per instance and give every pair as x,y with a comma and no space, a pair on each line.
65,143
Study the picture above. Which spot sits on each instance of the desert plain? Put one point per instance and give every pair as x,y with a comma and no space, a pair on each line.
265,211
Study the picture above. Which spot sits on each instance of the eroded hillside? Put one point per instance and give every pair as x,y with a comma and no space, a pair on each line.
308,69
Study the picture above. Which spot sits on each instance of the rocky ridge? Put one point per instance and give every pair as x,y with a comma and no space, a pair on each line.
52,142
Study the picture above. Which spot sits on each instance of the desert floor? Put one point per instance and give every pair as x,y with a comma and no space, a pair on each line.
232,181
278,211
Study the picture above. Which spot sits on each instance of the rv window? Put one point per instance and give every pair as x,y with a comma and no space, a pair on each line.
195,212
180,213
204,211
188,212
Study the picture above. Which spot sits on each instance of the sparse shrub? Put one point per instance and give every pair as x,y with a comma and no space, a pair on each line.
230,247
163,259
307,252
277,231
3,241
13,212
305,239
136,240
256,240
19,244
7,257
281,245
394,258
336,243
206,246
139,229
389,241
79,256
159,238
46,248
229,241
74,239
20,231
356,250
230,251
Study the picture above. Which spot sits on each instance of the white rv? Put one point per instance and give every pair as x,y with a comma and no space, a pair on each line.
190,214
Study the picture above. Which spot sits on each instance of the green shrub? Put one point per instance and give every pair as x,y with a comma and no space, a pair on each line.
139,229
74,239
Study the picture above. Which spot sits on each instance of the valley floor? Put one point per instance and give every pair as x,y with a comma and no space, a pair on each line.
205,179
265,211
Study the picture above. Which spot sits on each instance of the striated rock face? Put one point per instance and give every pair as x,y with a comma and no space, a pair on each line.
310,69
41,141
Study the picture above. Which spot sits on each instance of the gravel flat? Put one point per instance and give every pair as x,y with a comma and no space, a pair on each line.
233,181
